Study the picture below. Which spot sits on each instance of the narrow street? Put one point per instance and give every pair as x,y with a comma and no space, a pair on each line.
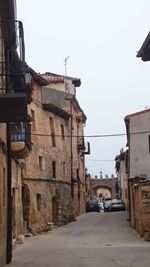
94,240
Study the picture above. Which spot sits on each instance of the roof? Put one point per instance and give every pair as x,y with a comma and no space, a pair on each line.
144,51
40,80
55,78
137,113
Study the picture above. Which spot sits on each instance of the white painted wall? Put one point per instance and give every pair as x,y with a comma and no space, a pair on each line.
139,145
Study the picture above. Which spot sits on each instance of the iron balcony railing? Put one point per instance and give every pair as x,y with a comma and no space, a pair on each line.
12,57
13,95
87,149
80,143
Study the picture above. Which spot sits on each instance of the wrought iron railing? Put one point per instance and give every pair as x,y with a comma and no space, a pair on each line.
80,143
87,149
12,57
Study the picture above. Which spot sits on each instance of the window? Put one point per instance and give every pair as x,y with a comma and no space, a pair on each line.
41,163
62,131
33,120
54,169
38,197
51,121
77,173
64,167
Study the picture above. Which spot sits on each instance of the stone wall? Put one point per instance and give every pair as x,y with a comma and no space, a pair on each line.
3,204
54,166
140,208
18,227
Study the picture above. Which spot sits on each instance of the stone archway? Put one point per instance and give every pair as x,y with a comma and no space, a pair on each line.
109,184
102,192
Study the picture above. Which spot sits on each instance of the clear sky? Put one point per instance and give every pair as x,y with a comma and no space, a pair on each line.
102,38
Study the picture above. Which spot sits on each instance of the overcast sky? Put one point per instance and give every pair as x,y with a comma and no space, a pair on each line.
102,38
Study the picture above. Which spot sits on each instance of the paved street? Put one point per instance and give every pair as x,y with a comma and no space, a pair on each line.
94,240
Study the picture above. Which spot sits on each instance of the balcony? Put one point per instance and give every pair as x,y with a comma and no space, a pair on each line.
20,139
87,149
13,97
83,148
80,143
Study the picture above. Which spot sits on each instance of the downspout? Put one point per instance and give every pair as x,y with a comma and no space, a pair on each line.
71,154
127,123
9,197
9,176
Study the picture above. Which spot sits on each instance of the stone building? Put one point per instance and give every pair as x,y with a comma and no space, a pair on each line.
121,165
54,188
13,122
50,185
87,185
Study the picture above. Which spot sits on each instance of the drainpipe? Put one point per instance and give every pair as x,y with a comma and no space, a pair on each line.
9,197
127,124
9,175
71,154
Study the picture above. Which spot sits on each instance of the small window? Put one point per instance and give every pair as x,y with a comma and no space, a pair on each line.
38,197
52,128
77,172
41,163
62,132
54,169
33,120
64,167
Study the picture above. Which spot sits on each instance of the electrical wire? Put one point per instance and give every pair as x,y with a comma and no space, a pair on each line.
102,160
89,136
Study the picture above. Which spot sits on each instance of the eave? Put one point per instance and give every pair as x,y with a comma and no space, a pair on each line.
137,113
37,78
144,51
56,78
56,110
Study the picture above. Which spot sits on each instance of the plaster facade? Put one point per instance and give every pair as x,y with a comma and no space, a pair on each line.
139,143
138,137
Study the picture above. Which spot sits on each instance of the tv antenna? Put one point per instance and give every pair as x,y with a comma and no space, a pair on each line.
66,59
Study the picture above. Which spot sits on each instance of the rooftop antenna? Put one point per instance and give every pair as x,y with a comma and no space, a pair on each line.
66,59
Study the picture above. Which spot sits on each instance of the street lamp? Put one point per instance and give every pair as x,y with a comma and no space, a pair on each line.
28,77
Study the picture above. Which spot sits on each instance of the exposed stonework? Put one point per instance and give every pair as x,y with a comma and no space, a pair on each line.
54,173
140,197
104,183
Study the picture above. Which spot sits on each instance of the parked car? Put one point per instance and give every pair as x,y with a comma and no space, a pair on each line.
107,203
117,205
92,205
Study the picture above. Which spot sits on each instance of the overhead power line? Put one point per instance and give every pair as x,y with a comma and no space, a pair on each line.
90,136
103,160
